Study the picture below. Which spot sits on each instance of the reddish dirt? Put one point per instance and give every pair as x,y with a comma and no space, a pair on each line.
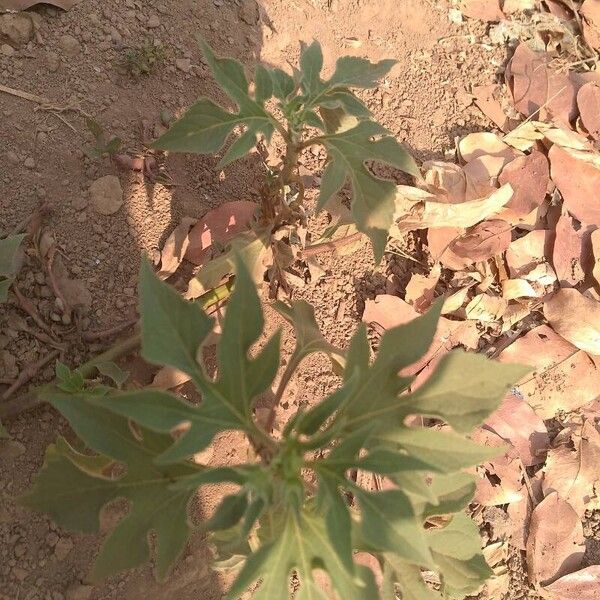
425,102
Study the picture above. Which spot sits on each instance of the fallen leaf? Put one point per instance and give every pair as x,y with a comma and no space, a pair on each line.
175,248
18,5
588,102
576,318
567,139
516,422
574,472
486,308
558,9
484,143
571,251
528,176
526,135
168,378
500,480
512,6
439,241
486,101
454,301
525,253
581,585
537,89
519,515
482,10
564,378
555,543
578,180
445,179
514,313
218,226
483,241
590,11
595,241
432,213
518,288
390,311
421,288
481,175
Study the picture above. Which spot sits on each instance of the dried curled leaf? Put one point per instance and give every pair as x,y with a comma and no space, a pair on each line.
555,543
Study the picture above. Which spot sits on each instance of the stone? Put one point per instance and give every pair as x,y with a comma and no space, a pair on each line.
106,195
153,22
184,64
7,50
53,61
69,45
79,592
17,28
29,163
62,548
12,157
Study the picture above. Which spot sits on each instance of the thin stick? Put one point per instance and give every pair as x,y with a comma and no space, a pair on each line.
92,336
331,245
28,373
44,103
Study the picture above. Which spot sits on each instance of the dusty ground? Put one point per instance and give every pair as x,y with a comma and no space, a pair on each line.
77,58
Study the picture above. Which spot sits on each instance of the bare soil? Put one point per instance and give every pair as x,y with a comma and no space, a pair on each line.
77,58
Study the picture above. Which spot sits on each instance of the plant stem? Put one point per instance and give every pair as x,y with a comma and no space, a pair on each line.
283,382
34,398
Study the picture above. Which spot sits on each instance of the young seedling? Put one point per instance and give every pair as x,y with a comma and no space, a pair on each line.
299,510
105,146
145,59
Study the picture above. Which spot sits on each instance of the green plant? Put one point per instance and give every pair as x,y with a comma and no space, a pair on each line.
105,146
298,507
143,60
304,103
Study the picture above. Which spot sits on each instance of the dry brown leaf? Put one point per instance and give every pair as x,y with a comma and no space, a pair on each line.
564,378
486,308
519,515
445,179
218,226
432,213
454,301
581,585
538,90
481,175
500,480
421,288
486,101
485,143
175,248
590,11
512,6
439,241
168,378
390,311
526,253
518,288
555,543
588,102
571,255
514,313
595,241
17,5
577,176
516,422
482,10
526,135
576,318
528,176
574,472
483,241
